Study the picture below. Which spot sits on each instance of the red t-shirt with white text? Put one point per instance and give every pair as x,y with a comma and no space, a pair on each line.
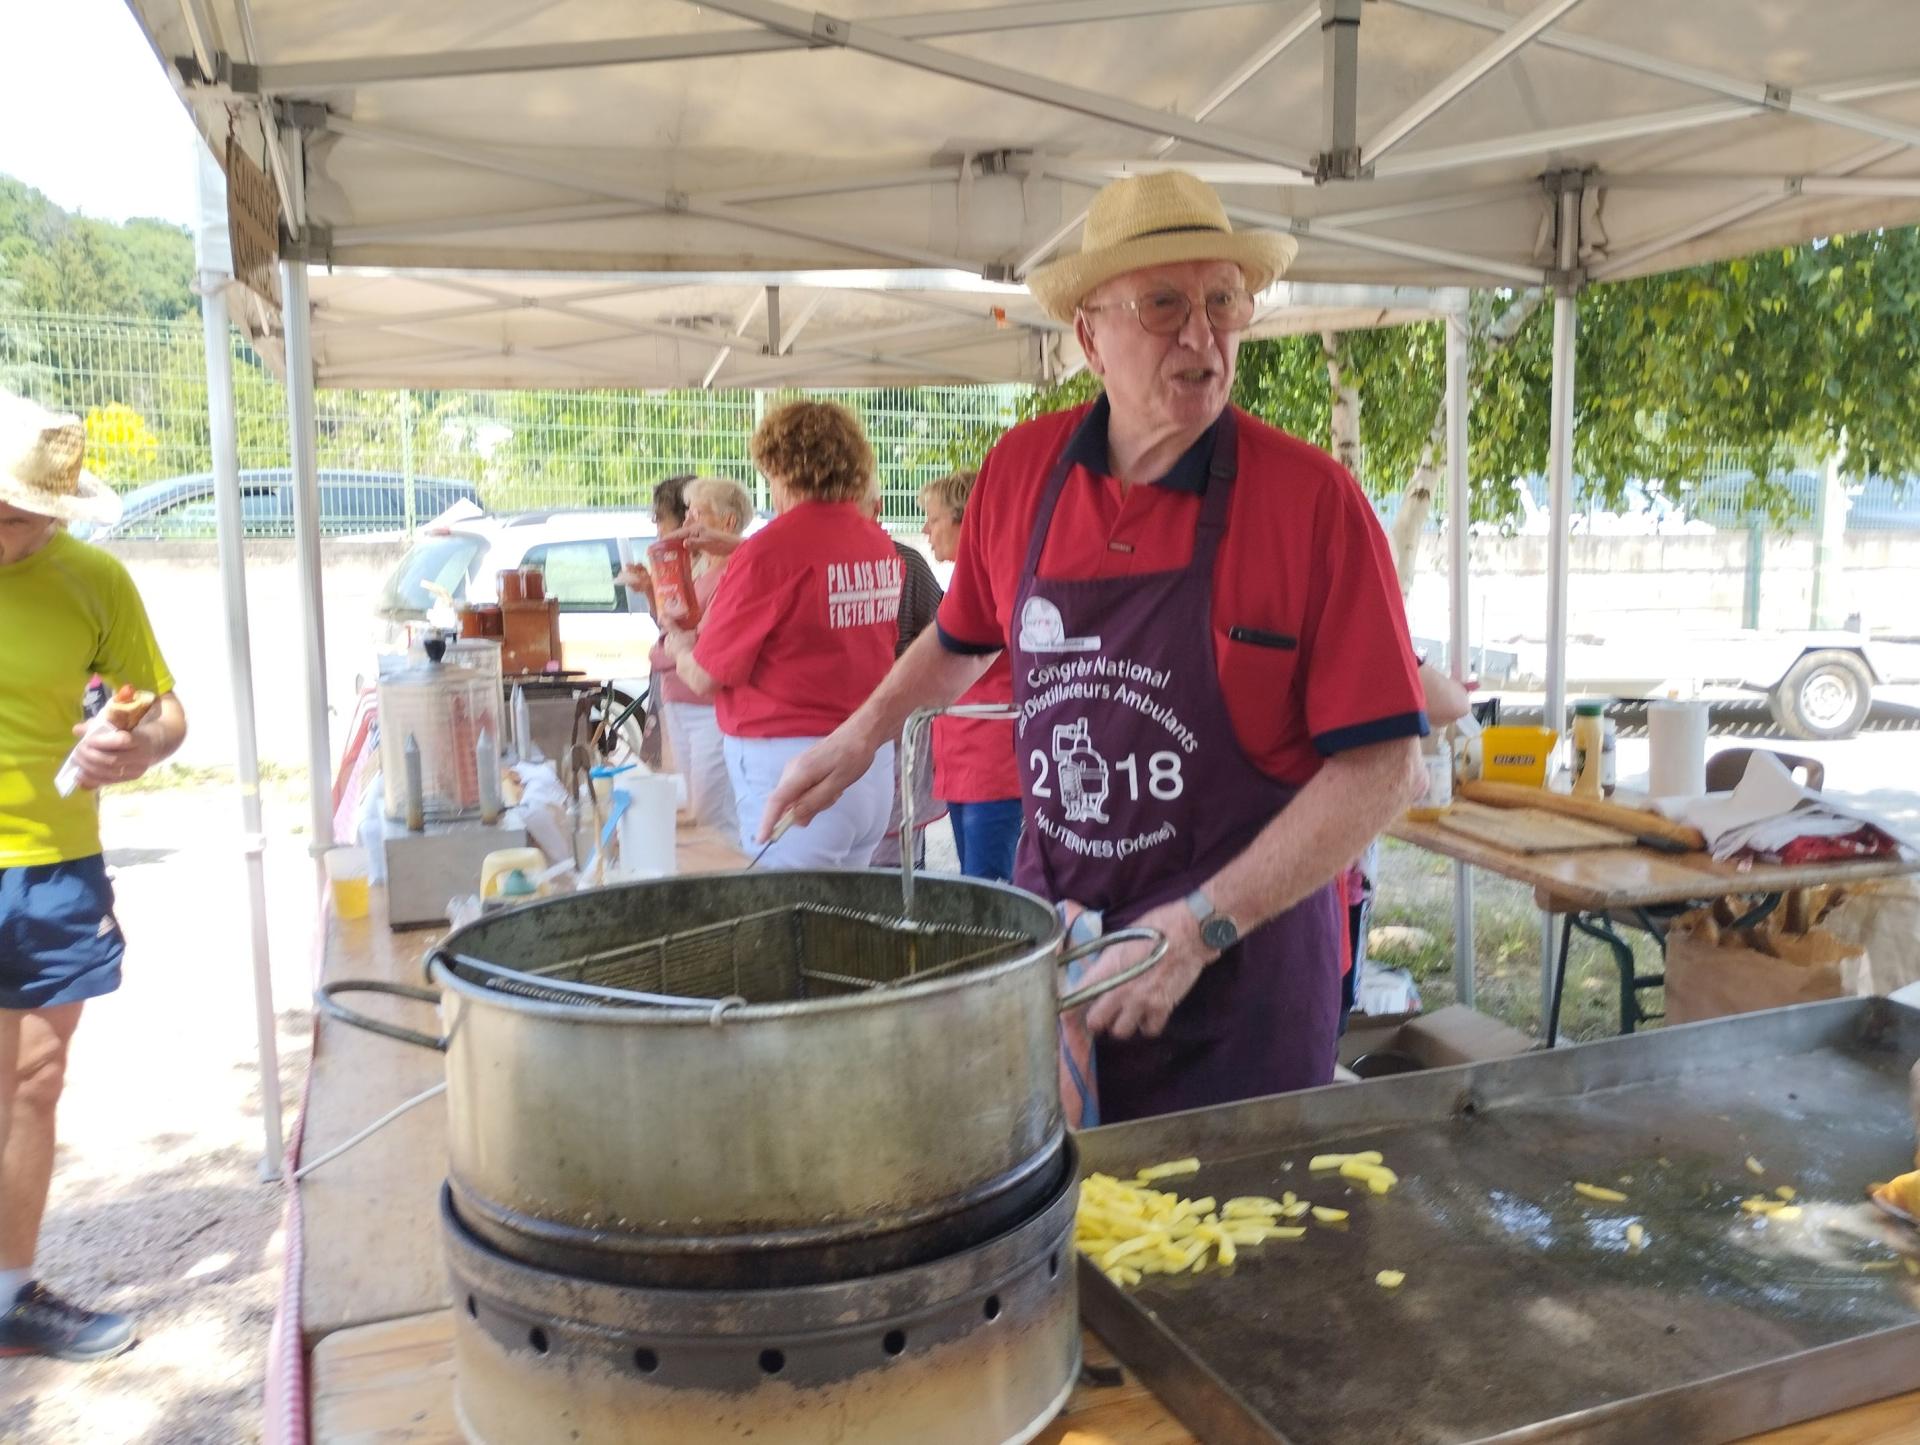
803,626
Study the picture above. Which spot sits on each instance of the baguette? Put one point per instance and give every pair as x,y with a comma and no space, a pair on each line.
1643,825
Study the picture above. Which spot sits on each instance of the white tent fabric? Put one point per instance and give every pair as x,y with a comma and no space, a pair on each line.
754,136
380,328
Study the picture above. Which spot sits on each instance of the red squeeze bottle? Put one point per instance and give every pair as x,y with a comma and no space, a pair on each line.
673,594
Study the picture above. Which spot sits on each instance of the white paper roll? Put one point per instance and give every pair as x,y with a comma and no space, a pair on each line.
1677,740
647,828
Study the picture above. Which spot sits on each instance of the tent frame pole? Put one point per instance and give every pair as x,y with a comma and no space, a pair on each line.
1568,190
1459,383
224,435
302,443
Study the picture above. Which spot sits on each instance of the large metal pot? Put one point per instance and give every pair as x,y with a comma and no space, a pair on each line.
858,1098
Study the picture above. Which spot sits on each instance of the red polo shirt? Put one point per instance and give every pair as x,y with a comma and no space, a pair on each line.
973,757
1309,635
803,625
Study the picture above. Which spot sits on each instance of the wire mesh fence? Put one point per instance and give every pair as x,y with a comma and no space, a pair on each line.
391,459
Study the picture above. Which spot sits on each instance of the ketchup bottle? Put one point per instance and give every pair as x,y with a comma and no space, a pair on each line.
673,593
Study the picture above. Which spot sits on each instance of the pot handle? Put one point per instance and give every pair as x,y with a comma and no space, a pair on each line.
326,997
1083,996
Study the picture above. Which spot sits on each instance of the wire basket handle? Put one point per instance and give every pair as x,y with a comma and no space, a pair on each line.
918,723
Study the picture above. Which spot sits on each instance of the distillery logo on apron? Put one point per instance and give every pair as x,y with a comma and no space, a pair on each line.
1041,630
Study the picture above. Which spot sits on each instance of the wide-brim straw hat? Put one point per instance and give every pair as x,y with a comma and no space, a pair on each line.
1156,220
40,465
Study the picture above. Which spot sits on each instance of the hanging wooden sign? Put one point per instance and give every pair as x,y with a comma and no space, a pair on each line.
253,224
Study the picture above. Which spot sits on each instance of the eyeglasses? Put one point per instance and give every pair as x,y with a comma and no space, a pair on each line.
1164,313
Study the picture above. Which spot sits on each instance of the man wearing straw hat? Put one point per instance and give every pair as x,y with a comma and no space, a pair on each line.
1218,703
67,612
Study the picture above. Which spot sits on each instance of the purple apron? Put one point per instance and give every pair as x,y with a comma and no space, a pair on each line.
1137,792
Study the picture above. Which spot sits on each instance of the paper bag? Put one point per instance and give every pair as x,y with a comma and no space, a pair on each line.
1883,920
1709,979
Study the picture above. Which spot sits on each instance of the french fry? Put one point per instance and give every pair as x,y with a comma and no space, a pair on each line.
1600,1193
1338,1161
1172,1170
1251,1206
1390,1278
1328,1216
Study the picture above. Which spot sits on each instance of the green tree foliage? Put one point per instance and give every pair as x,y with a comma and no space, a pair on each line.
1802,352
72,264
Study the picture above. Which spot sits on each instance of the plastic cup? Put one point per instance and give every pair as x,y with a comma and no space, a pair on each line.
347,874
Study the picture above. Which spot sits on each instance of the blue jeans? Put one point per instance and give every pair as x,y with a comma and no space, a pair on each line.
985,834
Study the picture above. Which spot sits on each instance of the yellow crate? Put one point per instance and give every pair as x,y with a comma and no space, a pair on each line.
1516,754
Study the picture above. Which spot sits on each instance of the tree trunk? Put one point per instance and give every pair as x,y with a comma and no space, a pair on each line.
1344,438
1416,501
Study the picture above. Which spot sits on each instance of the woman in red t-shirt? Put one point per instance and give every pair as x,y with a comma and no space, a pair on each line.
974,771
801,630
718,511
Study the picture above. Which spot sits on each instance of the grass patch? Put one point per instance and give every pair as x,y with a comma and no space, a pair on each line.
1415,890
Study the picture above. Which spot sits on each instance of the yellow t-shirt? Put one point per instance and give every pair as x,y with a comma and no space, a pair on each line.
66,612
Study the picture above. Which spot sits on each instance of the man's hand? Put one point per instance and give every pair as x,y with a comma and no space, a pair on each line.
106,755
814,781
1141,1008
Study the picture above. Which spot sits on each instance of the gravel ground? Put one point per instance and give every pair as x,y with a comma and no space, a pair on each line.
158,1205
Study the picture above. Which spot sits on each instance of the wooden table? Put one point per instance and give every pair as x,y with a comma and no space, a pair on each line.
1590,887
370,1220
1595,880
392,1384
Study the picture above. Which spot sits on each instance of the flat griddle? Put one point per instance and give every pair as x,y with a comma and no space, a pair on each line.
1526,1315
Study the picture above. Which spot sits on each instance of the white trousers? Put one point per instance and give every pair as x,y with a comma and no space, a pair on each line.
842,837
693,730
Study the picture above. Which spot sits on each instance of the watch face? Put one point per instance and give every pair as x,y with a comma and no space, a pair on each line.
1219,933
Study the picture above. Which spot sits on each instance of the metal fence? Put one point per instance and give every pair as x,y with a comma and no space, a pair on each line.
391,458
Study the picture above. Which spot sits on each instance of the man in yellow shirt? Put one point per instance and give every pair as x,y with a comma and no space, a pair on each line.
67,612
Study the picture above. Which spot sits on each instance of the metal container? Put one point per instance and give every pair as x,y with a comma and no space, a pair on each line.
971,1349
443,707
809,1087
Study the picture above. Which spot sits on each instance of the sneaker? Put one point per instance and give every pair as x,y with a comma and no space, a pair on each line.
41,1323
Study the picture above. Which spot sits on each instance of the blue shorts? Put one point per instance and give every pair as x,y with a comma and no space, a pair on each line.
59,941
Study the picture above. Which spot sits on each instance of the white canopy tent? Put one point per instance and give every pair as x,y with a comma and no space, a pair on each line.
622,184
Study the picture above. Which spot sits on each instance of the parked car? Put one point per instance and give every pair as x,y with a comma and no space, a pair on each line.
350,501
605,628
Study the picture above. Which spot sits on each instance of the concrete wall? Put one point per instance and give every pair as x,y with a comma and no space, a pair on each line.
1620,586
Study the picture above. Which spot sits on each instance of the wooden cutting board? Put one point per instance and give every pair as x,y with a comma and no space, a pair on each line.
1530,830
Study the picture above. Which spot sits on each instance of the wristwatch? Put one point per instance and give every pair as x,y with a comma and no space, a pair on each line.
1218,931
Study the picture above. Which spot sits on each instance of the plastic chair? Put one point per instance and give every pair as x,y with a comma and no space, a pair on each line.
1726,768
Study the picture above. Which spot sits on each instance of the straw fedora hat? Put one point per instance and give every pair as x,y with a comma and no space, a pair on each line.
40,471
1156,220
